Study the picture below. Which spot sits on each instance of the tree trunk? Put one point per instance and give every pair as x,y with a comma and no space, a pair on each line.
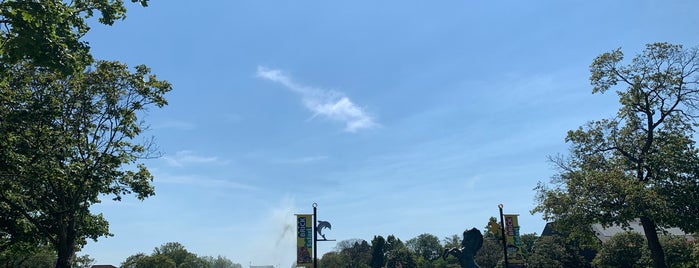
65,246
656,250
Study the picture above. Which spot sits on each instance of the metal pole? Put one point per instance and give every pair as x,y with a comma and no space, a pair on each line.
315,235
502,232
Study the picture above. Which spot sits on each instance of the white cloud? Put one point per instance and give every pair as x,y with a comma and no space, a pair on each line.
303,160
183,158
322,102
180,125
195,180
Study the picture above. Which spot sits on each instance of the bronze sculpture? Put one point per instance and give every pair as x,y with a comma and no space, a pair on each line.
473,240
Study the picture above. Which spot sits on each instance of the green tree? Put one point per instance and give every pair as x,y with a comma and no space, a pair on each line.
425,246
678,252
132,260
490,253
400,257
643,163
393,243
555,251
174,251
65,143
453,241
28,256
378,251
359,255
492,229
332,259
623,250
221,262
156,261
83,261
47,33
695,254
528,241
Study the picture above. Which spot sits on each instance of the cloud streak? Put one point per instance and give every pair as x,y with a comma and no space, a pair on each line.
185,158
322,102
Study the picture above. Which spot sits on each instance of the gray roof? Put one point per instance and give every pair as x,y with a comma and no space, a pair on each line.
604,234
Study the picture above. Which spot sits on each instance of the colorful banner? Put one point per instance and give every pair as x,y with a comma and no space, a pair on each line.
514,242
304,239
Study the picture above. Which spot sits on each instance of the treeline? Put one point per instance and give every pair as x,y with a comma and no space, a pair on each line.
174,255
168,255
426,251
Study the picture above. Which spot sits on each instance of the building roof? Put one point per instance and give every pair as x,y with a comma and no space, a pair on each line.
103,266
605,233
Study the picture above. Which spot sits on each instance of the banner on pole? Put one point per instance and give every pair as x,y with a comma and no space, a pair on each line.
514,242
304,239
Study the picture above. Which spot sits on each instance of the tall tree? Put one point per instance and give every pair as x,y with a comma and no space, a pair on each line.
47,33
490,253
623,250
65,142
556,251
378,251
400,257
643,163
426,246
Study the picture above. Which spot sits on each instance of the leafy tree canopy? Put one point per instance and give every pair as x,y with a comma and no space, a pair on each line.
48,33
641,164
65,142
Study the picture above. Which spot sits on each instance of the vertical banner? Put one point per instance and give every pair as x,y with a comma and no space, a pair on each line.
304,239
514,242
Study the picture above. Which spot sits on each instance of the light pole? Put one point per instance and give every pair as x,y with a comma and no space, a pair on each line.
315,235
502,232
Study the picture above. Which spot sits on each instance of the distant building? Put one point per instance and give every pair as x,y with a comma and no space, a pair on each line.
604,234
103,266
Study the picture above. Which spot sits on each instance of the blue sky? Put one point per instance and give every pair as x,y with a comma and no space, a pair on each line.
396,117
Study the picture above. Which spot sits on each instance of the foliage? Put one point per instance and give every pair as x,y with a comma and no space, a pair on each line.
48,33
643,163
695,254
221,262
332,259
490,254
393,243
83,261
378,252
359,255
66,142
24,256
425,246
156,261
492,229
622,250
401,257
174,254
528,241
132,260
37,256
555,251
678,252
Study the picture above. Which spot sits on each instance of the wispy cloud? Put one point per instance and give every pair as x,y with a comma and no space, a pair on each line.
183,158
200,181
175,124
303,160
322,102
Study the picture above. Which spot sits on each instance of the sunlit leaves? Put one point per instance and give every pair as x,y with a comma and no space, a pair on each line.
68,141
